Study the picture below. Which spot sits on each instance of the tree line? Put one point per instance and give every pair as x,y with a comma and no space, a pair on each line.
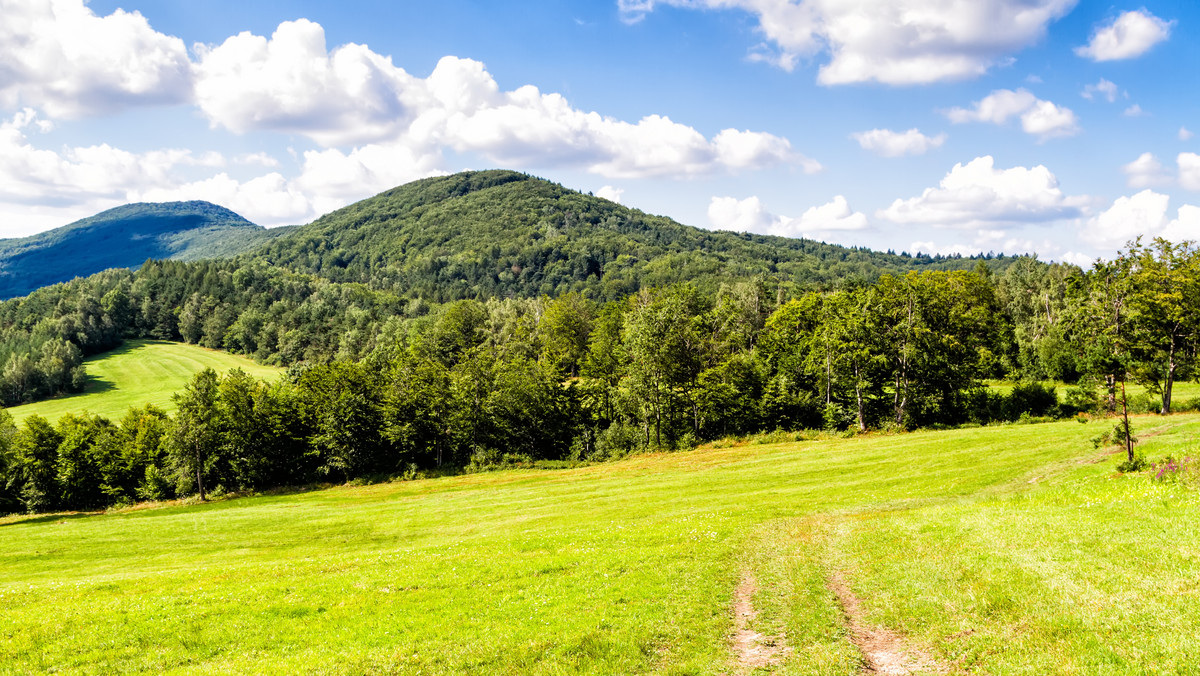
478,383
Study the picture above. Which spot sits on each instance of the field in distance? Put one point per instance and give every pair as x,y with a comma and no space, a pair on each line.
1009,549
137,373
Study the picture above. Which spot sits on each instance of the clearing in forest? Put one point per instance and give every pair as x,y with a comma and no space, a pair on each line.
137,373
683,563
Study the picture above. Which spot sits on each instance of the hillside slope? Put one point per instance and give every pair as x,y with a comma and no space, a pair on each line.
503,233
138,373
125,237
1000,550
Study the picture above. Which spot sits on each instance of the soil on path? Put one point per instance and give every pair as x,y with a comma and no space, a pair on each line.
752,649
884,650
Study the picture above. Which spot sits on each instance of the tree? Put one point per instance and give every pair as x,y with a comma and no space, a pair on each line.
1162,313
35,451
10,496
194,433
82,461
1104,329
665,344
341,404
566,327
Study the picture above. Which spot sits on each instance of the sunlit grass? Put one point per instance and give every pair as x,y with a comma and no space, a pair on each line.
137,373
629,567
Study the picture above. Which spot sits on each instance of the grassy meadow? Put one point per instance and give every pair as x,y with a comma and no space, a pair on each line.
137,373
1009,549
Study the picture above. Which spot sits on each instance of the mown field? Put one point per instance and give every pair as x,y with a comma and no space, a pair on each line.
1010,550
137,373
1184,393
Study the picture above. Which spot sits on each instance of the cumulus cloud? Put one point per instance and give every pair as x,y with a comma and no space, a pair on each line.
888,143
256,159
1145,171
978,195
1134,111
62,58
897,42
1144,214
1107,90
1129,35
749,215
610,193
52,187
1189,170
1040,118
1185,134
30,175
293,83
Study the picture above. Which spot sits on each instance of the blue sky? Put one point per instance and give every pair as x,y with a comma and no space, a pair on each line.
1060,127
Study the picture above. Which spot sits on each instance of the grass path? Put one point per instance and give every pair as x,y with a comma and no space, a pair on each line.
137,373
993,550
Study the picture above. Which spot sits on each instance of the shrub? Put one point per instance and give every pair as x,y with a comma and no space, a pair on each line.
617,441
1030,399
1135,464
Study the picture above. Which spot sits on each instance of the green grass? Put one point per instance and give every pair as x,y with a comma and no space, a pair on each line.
137,373
1181,393
1010,549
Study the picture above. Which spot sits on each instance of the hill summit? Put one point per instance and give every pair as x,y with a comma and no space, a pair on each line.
498,233
124,237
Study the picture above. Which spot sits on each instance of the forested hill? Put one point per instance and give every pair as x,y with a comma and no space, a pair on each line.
125,237
502,233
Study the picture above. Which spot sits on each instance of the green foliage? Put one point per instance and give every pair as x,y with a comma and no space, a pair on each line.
192,443
125,237
501,233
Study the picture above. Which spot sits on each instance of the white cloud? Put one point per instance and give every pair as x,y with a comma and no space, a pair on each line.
1145,171
1189,170
1041,118
1075,258
1134,111
934,249
978,195
749,215
61,57
26,118
1107,90
888,143
292,83
256,160
43,188
610,193
1185,134
268,200
1129,35
30,175
1145,215
351,95
897,42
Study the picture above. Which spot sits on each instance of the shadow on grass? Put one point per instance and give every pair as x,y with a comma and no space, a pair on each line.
31,519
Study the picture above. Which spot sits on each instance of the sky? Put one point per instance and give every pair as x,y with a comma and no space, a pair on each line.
1064,128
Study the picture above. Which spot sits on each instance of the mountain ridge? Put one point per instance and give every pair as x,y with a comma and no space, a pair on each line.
505,233
125,236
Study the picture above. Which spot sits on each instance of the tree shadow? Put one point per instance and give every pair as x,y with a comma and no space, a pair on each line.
45,518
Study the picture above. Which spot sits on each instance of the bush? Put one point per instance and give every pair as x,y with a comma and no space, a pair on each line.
1135,464
617,441
1083,398
985,405
1030,399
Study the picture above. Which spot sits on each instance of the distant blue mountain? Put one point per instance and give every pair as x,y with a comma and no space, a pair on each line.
125,237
